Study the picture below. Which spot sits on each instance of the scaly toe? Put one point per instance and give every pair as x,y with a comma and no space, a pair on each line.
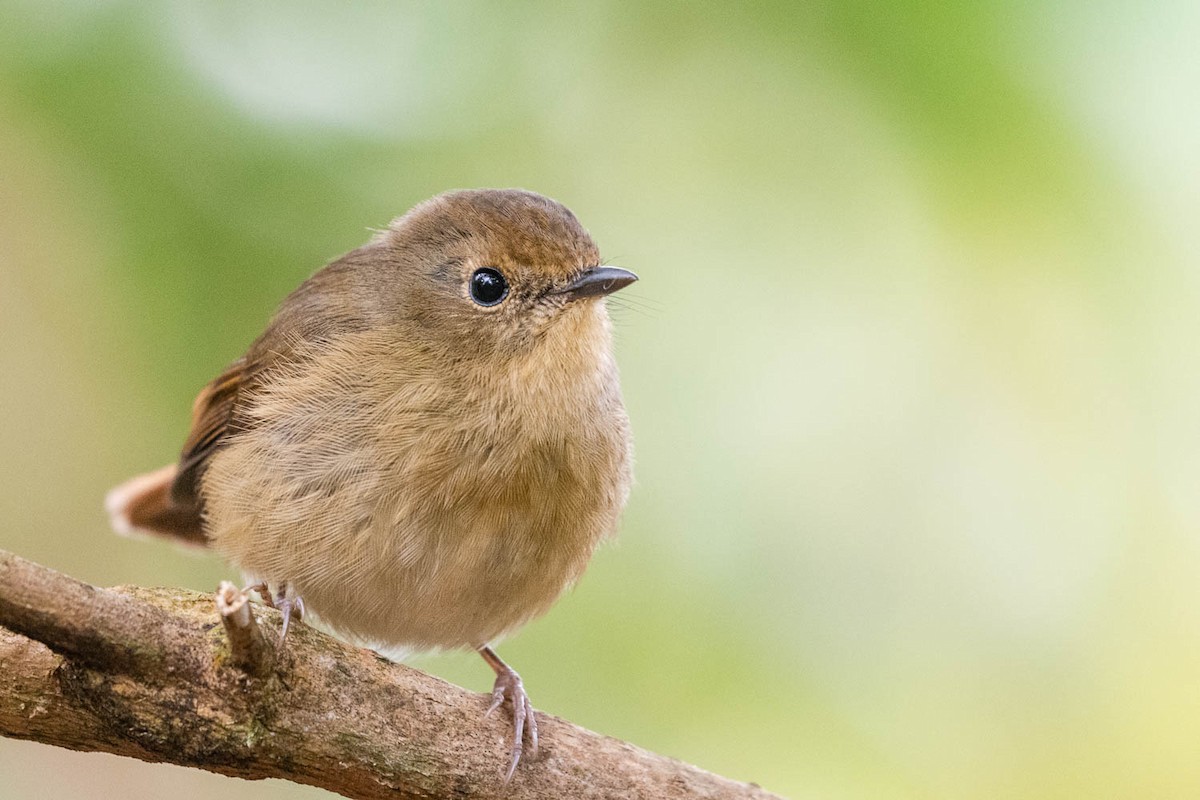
508,687
263,592
287,605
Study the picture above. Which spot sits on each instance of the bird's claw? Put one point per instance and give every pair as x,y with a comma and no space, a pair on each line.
287,604
283,601
509,687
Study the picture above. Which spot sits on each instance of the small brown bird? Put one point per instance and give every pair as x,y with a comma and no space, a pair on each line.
427,443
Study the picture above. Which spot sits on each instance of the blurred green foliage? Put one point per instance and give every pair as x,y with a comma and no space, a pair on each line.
911,365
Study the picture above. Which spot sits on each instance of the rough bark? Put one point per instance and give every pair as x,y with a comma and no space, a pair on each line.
175,676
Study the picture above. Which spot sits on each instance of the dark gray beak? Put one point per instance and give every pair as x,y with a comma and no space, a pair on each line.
598,281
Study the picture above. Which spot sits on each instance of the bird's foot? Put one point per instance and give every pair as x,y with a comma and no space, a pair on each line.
263,592
508,686
283,600
287,604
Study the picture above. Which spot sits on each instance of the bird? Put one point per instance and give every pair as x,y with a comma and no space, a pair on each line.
427,443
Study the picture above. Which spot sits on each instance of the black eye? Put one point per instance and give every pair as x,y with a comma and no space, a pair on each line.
488,286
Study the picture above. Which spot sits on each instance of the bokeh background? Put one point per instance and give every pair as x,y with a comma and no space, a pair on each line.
912,365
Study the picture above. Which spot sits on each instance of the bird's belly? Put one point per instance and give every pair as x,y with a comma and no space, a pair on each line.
439,585
424,555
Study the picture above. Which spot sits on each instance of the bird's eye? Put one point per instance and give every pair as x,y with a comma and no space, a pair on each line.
488,286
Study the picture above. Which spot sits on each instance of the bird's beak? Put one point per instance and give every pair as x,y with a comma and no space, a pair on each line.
598,281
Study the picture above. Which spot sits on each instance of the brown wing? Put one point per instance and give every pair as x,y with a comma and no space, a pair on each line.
313,312
213,415
167,502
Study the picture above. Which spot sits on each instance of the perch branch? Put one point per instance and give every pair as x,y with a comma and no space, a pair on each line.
152,674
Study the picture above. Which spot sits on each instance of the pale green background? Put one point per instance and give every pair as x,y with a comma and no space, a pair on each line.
912,365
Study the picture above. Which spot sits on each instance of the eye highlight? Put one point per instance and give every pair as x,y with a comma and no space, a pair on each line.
488,287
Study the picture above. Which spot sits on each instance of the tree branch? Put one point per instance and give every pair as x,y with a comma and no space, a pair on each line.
152,674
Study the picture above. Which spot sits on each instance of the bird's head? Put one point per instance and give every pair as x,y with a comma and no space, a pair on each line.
498,271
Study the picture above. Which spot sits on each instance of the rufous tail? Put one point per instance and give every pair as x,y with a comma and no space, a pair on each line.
145,505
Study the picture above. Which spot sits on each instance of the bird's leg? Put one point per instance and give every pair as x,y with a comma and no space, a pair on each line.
508,686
